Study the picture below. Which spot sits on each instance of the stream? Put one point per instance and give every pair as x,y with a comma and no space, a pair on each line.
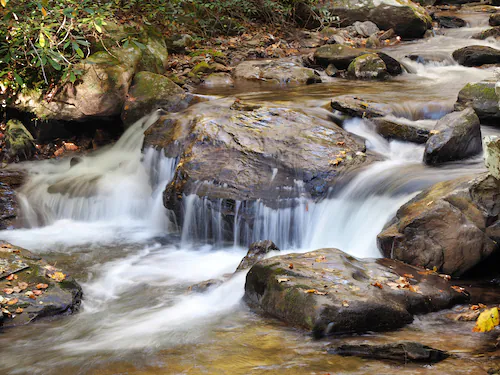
103,221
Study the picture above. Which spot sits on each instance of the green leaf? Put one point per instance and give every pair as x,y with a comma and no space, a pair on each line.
138,44
54,64
72,77
79,52
98,27
18,79
125,45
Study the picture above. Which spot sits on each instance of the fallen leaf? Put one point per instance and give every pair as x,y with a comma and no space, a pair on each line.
321,259
282,280
345,304
487,320
30,294
11,277
6,312
8,290
458,289
58,276
16,289
22,285
12,301
408,276
290,266
37,292
426,272
310,291
42,286
377,284
19,310
446,277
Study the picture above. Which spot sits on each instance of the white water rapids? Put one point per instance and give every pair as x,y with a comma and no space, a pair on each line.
106,211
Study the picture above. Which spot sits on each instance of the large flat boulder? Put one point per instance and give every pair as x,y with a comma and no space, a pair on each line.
354,106
456,136
246,152
483,98
329,292
31,289
450,226
400,129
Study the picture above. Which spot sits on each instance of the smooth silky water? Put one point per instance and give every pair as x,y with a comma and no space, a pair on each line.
103,221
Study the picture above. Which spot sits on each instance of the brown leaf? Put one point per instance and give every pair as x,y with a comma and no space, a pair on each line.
16,289
12,301
408,276
42,286
11,277
345,304
8,290
458,289
426,272
22,285
37,292
19,310
290,266
377,284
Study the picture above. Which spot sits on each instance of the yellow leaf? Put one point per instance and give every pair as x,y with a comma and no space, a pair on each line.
44,12
487,320
58,276
41,40
4,3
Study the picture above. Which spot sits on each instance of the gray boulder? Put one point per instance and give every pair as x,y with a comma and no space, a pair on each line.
477,55
368,66
446,226
456,136
329,292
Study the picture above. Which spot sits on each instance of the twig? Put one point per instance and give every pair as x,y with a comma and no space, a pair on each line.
41,62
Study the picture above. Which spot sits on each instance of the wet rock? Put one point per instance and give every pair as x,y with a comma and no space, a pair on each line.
218,80
446,226
247,155
282,71
179,43
400,129
368,66
203,286
493,32
477,55
257,251
408,19
150,91
492,155
456,136
359,107
450,22
494,19
393,66
400,351
19,142
10,180
483,98
330,292
338,55
31,289
366,28
331,70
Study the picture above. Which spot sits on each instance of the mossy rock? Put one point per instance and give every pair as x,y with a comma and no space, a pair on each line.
368,66
19,141
150,91
483,98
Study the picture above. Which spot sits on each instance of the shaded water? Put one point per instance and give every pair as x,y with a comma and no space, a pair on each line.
103,221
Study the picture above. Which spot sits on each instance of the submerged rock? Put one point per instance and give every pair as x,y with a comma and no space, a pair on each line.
450,22
330,292
449,226
477,55
368,66
400,129
338,55
282,71
218,80
456,136
150,91
252,153
483,98
493,32
400,351
31,289
359,107
257,251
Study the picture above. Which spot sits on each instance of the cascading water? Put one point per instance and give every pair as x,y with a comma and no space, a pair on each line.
101,217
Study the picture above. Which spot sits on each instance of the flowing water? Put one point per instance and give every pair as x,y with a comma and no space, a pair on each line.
101,218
